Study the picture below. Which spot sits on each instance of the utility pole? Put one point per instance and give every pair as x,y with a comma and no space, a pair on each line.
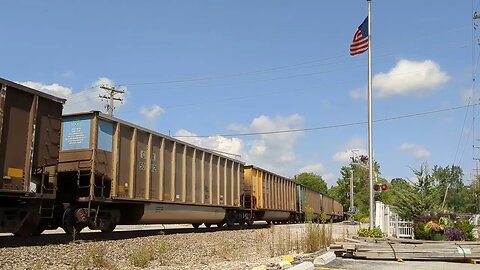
111,91
475,41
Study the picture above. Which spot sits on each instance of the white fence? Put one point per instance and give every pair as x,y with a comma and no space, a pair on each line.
390,223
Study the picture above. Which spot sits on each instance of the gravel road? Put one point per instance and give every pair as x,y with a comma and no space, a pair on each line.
235,249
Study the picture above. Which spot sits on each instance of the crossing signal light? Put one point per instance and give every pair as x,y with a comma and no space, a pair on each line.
381,187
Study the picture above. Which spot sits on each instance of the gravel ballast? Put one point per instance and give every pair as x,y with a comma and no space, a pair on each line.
236,249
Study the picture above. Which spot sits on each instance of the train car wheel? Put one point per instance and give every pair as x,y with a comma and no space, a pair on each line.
196,225
220,225
68,223
208,225
230,219
110,228
249,219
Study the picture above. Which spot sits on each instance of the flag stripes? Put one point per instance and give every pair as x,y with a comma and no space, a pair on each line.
360,39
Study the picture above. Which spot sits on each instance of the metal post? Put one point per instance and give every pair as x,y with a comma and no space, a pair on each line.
352,207
370,140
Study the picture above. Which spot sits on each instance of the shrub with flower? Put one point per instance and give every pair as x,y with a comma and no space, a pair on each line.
453,234
432,226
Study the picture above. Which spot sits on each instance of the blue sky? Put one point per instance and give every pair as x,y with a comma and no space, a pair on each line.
227,67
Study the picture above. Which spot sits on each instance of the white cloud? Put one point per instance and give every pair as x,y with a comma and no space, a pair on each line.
410,77
354,146
359,94
151,114
274,152
81,101
237,127
88,99
317,168
330,178
53,89
418,151
228,145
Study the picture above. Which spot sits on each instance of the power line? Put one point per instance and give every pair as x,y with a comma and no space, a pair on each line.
330,126
339,58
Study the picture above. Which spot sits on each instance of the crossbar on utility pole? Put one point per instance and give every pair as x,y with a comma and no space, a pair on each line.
111,91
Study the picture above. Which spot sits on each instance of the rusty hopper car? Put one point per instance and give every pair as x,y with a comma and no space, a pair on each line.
268,196
29,147
309,201
338,210
328,206
113,172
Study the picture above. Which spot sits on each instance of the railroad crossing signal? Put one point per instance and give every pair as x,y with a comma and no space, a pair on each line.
382,187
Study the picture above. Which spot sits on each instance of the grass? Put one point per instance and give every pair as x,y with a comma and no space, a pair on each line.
142,256
224,249
96,257
315,237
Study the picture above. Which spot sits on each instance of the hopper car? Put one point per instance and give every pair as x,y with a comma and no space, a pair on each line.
92,170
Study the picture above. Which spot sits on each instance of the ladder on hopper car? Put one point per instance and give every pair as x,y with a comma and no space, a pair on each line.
47,211
86,171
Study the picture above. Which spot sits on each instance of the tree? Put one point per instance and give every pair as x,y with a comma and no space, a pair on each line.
450,187
359,168
420,197
313,181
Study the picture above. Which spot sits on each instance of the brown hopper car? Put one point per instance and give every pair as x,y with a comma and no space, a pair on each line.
159,179
268,196
29,146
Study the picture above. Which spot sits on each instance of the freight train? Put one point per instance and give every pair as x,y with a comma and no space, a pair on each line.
91,170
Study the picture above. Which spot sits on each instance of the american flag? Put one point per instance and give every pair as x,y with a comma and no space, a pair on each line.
360,39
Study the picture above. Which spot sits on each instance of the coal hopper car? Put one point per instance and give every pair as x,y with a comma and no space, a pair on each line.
113,172
29,147
268,196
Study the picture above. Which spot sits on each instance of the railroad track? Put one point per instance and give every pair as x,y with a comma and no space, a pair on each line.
63,238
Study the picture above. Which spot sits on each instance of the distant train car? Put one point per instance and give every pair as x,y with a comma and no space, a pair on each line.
113,172
29,147
268,196
309,201
338,211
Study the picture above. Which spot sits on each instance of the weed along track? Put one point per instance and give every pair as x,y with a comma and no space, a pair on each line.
173,248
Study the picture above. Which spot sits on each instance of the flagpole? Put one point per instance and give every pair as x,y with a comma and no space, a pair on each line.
370,140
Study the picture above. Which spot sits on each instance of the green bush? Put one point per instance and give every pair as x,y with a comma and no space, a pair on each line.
466,228
366,232
436,236
446,222
362,217
420,231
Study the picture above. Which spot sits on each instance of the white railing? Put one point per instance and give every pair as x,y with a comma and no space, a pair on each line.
390,223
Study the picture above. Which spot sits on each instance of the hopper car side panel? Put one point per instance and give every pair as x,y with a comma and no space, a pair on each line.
309,199
29,140
338,211
327,207
123,164
268,196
